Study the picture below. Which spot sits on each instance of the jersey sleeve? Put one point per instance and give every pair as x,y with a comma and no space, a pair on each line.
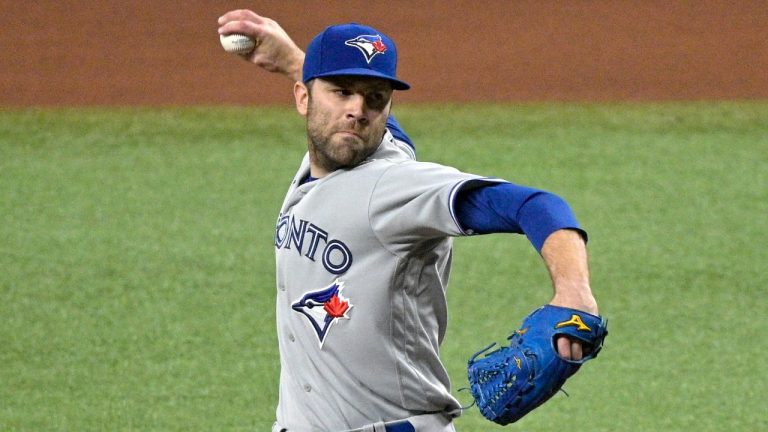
413,202
510,208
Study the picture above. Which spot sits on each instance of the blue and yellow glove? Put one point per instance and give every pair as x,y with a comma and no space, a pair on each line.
511,381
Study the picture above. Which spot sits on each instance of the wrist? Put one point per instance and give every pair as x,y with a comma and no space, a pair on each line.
296,65
576,299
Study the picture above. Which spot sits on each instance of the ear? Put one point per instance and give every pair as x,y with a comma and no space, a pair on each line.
301,94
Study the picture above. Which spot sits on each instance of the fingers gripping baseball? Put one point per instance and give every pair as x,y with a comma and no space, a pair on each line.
274,50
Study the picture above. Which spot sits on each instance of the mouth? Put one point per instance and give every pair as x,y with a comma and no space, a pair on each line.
350,133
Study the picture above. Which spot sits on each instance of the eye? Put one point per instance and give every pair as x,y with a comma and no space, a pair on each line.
377,99
342,92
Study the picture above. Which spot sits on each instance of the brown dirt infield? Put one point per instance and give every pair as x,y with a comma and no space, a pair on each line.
60,53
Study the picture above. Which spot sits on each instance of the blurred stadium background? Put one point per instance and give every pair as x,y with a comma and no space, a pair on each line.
142,52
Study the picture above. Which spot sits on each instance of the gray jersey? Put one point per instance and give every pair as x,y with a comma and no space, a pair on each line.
363,258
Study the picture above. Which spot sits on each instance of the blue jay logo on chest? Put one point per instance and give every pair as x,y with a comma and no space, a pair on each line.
323,308
369,45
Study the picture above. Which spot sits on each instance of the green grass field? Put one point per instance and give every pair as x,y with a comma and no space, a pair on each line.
136,261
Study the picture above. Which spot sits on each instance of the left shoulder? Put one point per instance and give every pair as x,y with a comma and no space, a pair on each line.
393,149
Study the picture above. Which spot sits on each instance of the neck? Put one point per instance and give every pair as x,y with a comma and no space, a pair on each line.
317,172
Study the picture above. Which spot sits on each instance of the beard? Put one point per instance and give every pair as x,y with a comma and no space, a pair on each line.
332,150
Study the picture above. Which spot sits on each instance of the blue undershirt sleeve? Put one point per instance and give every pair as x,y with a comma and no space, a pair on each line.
397,131
510,208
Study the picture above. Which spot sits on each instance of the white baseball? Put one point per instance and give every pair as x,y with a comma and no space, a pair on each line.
237,43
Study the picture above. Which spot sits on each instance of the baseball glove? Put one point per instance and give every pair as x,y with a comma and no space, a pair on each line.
513,380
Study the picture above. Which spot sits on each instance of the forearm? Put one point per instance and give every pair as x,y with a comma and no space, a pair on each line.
294,66
565,256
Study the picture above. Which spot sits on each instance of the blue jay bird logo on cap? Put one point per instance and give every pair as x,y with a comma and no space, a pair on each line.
323,308
369,45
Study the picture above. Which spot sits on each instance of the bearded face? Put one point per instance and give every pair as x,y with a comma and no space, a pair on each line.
346,120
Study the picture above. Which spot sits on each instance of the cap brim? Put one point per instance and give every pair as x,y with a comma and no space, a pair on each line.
396,83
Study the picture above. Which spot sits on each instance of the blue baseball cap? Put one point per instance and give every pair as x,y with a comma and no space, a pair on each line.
352,49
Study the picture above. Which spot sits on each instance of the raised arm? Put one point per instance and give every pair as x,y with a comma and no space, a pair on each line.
275,50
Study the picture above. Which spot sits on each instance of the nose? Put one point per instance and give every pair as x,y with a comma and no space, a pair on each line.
356,108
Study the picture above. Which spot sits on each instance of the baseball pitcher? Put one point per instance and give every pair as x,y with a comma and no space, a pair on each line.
363,245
